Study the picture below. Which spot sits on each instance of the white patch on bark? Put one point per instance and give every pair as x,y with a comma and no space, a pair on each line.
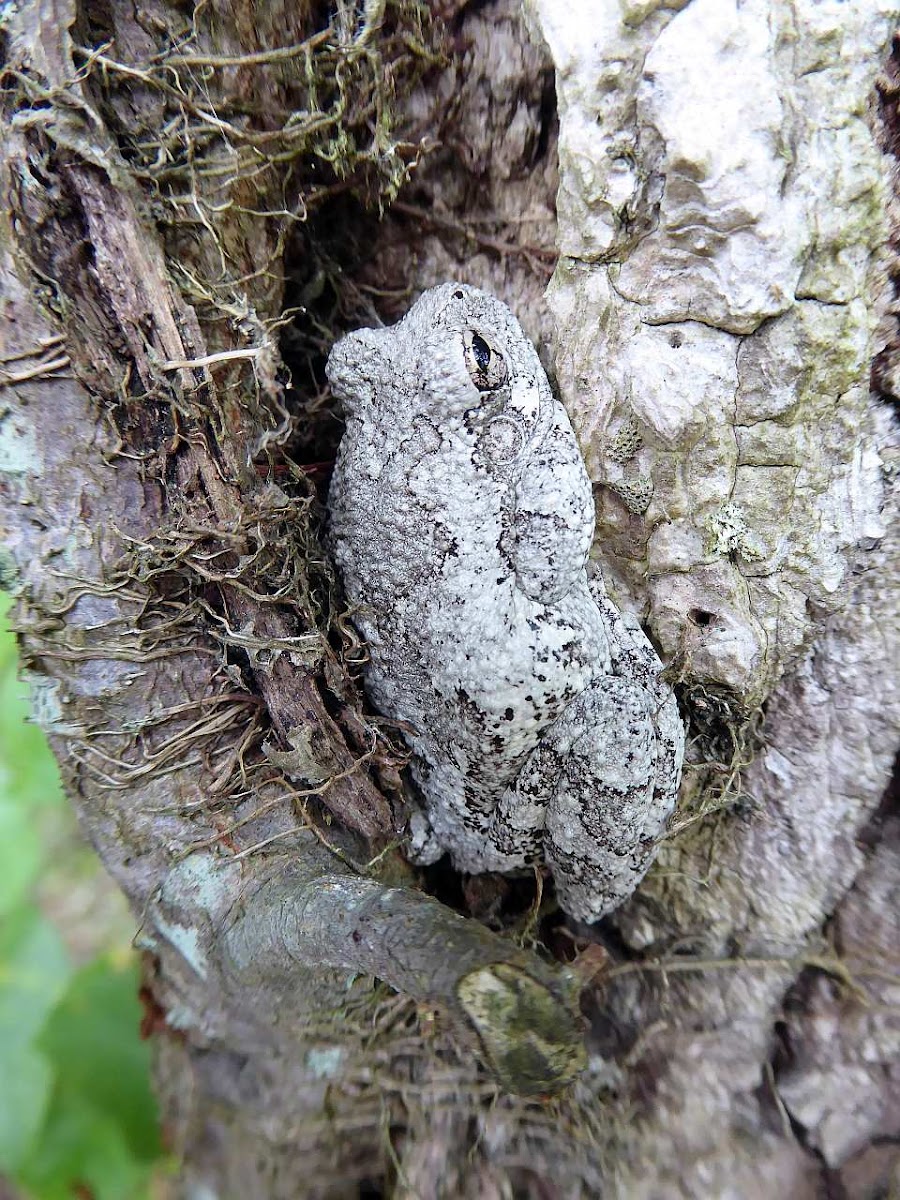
720,208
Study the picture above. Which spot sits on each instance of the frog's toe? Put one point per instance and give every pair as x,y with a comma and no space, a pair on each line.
422,847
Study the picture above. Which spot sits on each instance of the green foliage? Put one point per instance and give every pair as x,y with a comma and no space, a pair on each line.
28,783
76,1112
100,1126
34,971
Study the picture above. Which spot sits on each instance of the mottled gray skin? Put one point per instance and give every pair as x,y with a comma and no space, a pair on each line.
460,517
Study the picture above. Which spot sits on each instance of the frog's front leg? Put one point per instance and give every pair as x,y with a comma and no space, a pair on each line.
551,522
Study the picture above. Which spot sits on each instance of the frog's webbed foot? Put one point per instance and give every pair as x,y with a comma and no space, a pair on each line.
422,847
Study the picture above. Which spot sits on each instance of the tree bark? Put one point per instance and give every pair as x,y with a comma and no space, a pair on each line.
172,184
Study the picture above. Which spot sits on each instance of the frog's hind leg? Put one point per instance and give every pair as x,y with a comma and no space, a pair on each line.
616,756
593,798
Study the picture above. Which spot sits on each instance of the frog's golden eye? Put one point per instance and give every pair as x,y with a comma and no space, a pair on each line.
486,366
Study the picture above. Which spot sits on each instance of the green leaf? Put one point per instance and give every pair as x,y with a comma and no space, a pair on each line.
81,1152
20,855
29,769
24,1094
32,774
76,1112
34,972
92,1041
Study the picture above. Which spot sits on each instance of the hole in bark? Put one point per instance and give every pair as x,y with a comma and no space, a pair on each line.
701,618
323,290
371,1189
549,118
95,23
501,902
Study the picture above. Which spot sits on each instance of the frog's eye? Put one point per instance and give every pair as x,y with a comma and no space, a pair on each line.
485,365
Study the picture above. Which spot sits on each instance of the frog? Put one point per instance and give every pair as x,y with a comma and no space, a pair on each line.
541,727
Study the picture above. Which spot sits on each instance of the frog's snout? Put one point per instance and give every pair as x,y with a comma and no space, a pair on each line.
354,365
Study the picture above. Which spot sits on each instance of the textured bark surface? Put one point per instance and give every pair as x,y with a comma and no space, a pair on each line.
717,298
172,181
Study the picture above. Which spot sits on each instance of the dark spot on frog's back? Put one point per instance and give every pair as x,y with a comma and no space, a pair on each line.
470,709
509,714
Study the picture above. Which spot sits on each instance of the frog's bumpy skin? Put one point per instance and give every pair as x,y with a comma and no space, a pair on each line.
460,517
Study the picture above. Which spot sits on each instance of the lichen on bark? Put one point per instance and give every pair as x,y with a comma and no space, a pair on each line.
723,203
711,297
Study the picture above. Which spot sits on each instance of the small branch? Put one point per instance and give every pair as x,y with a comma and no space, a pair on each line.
278,54
523,1010
40,371
210,360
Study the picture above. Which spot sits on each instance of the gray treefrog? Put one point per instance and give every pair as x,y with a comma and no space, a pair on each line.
460,517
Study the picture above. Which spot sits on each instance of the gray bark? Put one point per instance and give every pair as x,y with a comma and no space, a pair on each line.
320,1023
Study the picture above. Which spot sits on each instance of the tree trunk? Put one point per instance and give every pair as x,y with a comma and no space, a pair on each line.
192,203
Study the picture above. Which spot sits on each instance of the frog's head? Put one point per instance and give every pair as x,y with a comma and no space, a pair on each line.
457,351
472,356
